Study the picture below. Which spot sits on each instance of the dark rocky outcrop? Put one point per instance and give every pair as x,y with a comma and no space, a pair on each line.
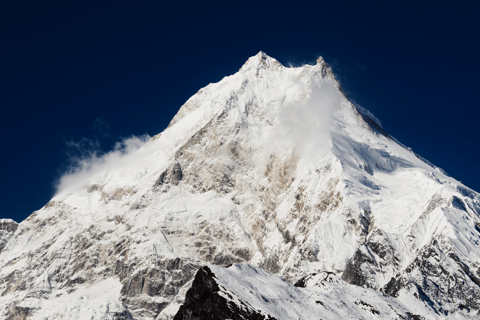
203,302
301,283
8,225
173,175
376,255
18,313
7,229
353,272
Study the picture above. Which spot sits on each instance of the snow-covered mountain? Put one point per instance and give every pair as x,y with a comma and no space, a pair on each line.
274,170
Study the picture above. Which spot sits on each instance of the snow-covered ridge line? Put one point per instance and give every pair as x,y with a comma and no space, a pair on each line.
244,291
5,221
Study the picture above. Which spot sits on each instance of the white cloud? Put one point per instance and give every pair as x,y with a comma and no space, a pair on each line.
87,162
305,125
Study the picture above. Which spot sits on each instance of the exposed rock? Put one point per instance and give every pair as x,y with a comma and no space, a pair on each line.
173,175
354,272
18,313
440,279
7,229
203,301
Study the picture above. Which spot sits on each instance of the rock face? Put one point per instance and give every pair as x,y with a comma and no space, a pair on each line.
273,166
205,301
7,229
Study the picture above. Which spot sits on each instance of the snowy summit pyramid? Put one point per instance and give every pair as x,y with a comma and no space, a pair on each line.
269,196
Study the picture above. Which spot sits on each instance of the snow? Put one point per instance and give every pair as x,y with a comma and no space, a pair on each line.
99,301
7,221
321,299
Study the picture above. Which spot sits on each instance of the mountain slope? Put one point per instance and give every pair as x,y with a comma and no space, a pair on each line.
273,166
243,291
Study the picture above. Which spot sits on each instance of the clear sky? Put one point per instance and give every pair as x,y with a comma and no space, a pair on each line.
89,73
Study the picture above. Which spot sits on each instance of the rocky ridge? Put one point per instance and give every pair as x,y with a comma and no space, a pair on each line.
7,229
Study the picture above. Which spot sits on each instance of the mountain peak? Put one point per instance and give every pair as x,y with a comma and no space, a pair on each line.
261,60
261,55
320,60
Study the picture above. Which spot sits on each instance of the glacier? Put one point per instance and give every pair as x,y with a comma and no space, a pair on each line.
266,178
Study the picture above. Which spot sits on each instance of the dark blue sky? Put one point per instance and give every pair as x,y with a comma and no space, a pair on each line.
99,71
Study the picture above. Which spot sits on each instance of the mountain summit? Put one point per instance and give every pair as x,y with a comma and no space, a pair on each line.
269,196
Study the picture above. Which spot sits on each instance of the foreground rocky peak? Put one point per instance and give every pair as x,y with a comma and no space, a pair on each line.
273,166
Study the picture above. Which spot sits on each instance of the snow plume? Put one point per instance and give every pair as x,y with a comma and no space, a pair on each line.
292,64
305,123
88,163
